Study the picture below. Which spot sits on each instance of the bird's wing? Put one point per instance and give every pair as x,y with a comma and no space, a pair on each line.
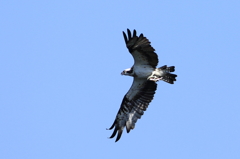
141,49
134,103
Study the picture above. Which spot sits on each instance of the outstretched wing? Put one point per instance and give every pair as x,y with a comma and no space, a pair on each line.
134,103
140,48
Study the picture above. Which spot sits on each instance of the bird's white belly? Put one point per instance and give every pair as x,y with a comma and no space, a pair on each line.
143,72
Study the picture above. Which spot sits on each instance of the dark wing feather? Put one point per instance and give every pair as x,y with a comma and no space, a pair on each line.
134,103
141,49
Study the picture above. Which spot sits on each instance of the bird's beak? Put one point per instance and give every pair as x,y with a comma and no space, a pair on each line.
122,73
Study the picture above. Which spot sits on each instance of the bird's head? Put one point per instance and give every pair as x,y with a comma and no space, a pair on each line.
127,72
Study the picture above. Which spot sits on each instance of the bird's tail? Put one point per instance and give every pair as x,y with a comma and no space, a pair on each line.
168,77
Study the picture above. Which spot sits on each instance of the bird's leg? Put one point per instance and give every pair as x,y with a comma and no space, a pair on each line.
154,78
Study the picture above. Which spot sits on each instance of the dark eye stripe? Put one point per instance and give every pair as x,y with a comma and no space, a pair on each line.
130,71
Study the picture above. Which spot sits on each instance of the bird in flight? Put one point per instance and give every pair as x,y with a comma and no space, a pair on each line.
145,75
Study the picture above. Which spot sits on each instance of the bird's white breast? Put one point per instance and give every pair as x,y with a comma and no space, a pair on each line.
143,71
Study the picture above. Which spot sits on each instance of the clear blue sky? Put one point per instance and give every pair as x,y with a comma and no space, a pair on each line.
60,82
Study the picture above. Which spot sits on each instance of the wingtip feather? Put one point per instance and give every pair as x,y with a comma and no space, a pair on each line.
125,37
129,34
119,134
134,33
114,133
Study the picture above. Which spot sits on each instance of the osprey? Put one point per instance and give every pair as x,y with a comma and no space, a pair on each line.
145,75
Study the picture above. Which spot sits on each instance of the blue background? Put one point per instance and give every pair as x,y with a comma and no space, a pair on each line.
60,82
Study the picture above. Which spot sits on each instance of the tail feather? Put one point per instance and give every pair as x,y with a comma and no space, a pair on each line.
168,77
168,69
